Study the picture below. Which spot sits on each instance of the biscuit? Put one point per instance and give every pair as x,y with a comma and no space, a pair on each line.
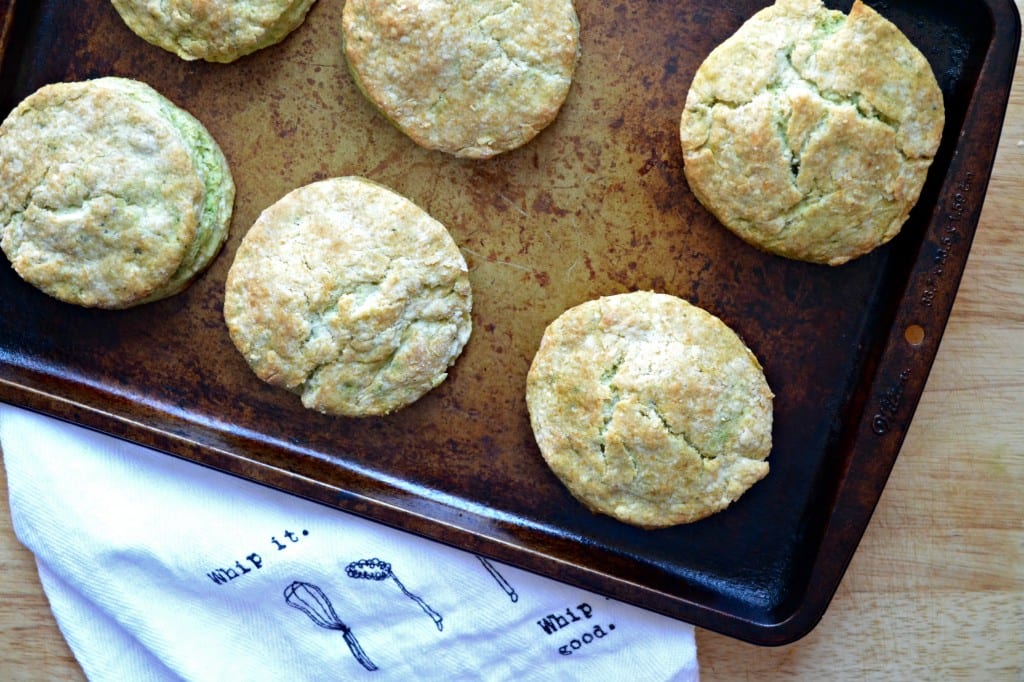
110,195
349,295
649,409
809,133
472,79
213,30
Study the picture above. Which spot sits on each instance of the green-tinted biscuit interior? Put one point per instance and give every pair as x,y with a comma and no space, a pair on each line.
111,196
212,168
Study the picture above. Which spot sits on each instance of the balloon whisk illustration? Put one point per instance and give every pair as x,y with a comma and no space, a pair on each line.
376,569
312,601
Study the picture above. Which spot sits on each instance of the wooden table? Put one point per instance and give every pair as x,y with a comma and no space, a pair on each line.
936,589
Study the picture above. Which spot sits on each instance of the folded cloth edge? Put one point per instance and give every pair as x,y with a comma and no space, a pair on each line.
61,592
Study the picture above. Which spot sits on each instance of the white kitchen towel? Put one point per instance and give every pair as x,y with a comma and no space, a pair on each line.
160,569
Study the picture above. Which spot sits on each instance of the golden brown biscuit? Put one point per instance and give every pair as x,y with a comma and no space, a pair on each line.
349,295
214,30
649,409
473,79
110,195
809,133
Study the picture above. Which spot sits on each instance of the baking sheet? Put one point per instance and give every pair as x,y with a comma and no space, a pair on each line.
595,205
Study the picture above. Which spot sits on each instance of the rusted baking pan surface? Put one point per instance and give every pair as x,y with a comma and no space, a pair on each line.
597,204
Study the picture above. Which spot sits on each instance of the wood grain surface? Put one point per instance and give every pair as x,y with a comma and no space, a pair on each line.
936,589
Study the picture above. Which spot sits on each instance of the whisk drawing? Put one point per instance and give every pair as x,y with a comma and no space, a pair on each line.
379,570
312,601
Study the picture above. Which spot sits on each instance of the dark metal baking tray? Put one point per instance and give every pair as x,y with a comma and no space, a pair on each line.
596,204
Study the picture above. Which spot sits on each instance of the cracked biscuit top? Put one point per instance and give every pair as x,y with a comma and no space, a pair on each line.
472,79
213,30
349,295
649,409
110,195
809,133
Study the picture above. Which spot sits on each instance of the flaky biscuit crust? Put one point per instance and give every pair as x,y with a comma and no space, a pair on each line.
649,409
100,200
213,30
472,79
349,295
809,133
